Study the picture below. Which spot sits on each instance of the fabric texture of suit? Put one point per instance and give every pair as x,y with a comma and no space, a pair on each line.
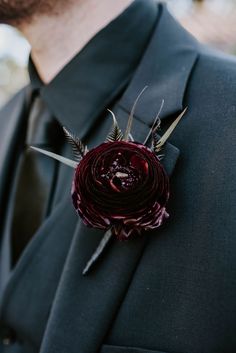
172,290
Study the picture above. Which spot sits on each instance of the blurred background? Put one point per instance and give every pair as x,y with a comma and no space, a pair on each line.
211,21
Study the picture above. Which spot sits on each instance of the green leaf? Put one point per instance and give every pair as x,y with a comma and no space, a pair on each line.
59,158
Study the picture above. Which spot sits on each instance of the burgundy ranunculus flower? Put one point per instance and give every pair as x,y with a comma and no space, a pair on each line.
123,186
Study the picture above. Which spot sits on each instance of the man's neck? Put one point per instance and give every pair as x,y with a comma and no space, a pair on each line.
56,39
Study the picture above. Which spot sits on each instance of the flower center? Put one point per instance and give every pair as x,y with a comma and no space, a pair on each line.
121,174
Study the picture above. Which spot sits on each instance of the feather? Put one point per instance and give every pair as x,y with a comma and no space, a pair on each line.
156,122
131,116
155,137
116,133
79,149
160,156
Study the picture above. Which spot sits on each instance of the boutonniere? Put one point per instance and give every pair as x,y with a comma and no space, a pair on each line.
121,185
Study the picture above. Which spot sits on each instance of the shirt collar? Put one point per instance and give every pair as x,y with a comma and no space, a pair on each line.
101,70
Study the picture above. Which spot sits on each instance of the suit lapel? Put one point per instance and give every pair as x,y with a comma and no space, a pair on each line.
85,306
12,124
165,68
31,287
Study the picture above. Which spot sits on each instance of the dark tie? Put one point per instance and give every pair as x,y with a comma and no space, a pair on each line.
36,177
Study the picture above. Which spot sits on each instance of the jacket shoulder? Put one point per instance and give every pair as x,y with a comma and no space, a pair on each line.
212,86
216,68
13,103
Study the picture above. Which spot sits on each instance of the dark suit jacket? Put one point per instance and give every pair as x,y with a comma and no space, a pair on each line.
171,290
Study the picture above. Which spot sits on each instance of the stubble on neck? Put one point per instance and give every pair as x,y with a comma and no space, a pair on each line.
57,37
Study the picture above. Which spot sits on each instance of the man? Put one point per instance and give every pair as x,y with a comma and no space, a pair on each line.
169,290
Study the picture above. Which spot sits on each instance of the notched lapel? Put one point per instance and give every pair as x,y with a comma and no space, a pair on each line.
165,68
85,306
